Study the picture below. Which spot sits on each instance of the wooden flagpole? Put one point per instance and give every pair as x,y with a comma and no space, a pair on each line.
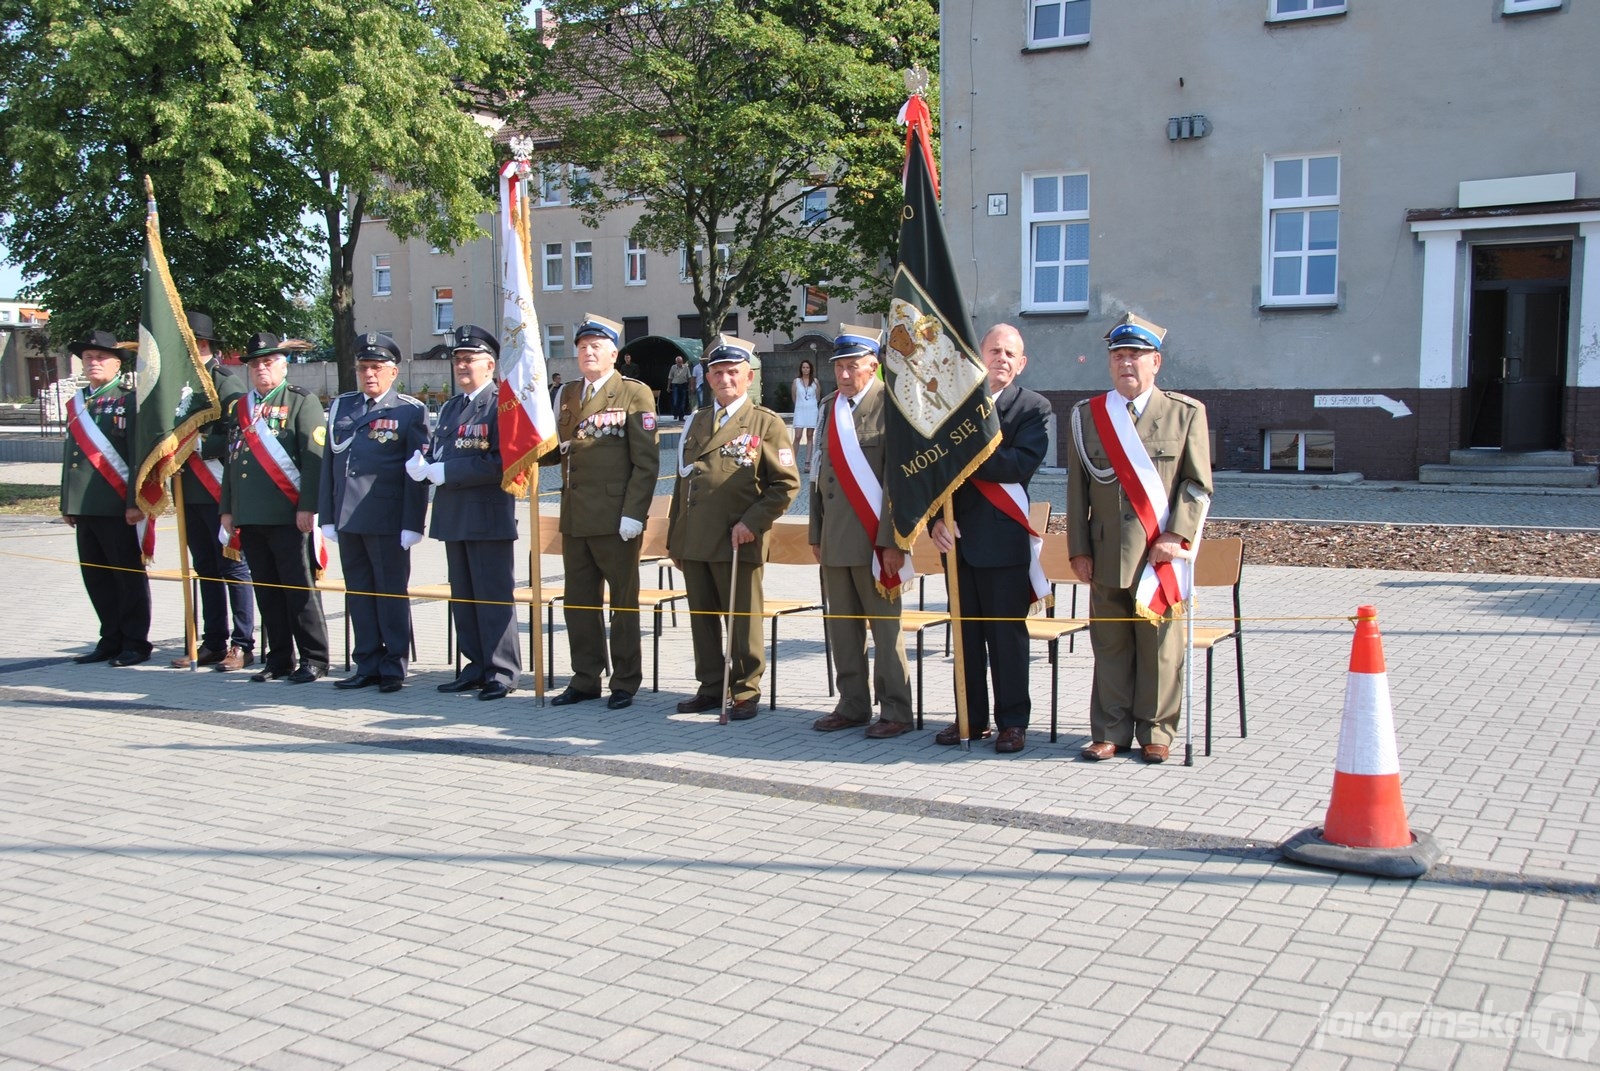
953,589
189,644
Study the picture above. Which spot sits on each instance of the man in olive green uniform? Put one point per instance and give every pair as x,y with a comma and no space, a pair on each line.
852,535
609,460
736,476
97,503
276,434
1138,664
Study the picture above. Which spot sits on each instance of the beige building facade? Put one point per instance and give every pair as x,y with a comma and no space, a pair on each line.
417,294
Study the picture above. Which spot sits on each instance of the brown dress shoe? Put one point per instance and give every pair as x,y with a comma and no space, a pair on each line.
205,656
834,723
236,658
886,730
1154,753
1011,740
744,711
1100,750
951,734
698,704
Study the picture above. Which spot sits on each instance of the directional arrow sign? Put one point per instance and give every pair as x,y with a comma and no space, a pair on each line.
1361,401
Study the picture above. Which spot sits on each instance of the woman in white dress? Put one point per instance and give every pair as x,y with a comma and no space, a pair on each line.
806,394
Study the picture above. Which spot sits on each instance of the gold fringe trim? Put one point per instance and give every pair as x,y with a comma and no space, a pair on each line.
938,504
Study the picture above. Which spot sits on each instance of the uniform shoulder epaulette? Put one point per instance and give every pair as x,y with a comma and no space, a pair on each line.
1079,404
413,401
769,412
292,389
1184,398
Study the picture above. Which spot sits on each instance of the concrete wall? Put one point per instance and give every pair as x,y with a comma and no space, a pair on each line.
1413,96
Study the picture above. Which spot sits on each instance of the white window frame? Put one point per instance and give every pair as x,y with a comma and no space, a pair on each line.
551,256
1271,206
582,254
805,291
382,274
444,300
1062,216
555,342
635,263
814,206
1517,7
1060,38
1315,9
724,252
550,185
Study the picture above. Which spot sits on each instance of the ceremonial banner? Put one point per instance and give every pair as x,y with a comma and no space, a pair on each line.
527,418
941,423
175,393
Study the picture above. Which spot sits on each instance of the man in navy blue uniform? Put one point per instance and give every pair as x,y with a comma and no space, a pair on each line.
993,553
224,580
475,519
373,512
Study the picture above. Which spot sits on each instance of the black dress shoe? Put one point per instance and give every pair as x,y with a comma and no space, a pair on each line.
268,674
620,700
568,697
461,686
698,704
130,658
360,680
306,673
391,684
495,690
95,656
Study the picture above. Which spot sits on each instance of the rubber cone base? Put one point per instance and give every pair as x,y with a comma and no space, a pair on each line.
1307,847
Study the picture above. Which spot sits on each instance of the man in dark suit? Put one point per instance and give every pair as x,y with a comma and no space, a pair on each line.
476,520
373,512
994,553
97,502
1138,664
736,477
224,580
609,461
269,494
852,535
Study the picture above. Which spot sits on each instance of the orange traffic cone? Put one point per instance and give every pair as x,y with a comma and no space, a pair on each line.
1366,829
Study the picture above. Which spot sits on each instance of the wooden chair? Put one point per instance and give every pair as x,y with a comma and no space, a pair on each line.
789,543
1221,565
925,559
658,599
1049,628
549,594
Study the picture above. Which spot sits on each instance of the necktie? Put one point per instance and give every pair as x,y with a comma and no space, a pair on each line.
588,392
722,418
1134,413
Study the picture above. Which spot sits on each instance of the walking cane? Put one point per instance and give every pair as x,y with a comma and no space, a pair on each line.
727,649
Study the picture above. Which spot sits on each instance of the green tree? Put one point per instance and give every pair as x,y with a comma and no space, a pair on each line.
722,115
251,116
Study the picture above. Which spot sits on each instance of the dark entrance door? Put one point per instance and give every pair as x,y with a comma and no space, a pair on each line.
1517,345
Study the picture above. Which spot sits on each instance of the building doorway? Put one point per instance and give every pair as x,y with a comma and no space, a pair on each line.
1517,345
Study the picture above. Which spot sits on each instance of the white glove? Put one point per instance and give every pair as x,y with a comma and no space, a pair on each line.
417,466
222,535
330,533
409,539
566,444
435,472
630,529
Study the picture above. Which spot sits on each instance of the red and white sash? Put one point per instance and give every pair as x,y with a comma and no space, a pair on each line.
99,452
1163,586
285,474
209,473
863,491
1012,500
